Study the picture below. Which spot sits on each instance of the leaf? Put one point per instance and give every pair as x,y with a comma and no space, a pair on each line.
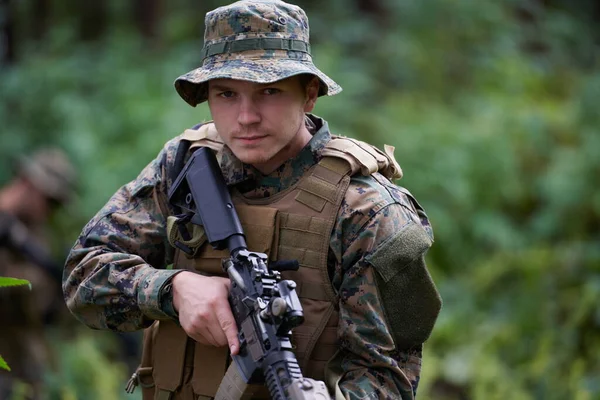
3,364
6,282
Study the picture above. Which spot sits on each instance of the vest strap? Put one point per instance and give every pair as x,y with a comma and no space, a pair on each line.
205,131
205,136
336,164
332,169
313,339
321,186
363,157
311,201
374,152
365,161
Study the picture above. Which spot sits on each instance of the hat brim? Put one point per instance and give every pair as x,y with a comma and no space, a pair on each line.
193,86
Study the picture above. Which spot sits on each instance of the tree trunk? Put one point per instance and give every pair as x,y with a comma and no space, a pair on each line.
146,14
7,31
93,16
40,13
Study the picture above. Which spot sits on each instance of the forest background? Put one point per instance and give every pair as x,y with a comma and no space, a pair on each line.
492,107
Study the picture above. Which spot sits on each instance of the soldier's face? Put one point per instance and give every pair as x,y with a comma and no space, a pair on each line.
33,206
263,124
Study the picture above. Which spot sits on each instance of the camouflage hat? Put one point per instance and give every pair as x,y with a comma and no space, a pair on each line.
260,41
51,172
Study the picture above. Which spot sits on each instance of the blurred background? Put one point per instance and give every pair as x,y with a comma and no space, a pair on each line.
492,107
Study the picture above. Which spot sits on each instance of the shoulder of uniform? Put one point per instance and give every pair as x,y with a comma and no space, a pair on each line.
363,158
200,133
402,196
197,132
178,150
379,192
369,196
370,201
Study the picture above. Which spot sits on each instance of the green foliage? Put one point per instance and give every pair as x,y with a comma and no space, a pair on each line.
88,368
10,282
3,364
495,122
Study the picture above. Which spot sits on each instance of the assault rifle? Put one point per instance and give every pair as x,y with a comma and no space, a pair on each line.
265,306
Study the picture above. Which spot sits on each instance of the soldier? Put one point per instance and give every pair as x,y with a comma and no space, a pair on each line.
43,182
301,193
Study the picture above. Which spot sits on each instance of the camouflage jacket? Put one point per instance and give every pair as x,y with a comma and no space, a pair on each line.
116,269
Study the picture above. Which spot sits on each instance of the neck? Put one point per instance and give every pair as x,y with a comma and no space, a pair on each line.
291,150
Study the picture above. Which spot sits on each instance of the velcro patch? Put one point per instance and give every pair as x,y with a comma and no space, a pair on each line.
399,251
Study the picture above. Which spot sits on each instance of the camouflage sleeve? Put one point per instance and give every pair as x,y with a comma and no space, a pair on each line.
116,269
383,287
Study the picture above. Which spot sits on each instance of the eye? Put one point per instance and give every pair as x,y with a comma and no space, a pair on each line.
271,91
227,94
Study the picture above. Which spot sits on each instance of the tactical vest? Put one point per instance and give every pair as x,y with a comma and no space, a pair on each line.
293,224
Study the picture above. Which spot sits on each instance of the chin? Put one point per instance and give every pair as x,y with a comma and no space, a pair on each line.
250,157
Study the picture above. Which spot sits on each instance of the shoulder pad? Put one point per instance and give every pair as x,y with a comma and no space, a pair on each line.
363,157
205,135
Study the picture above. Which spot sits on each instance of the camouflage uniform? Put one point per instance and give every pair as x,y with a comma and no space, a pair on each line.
116,269
116,273
23,312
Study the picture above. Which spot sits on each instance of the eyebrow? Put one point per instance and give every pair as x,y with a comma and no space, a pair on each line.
220,87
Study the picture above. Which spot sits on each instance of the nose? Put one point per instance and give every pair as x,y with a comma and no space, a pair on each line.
248,112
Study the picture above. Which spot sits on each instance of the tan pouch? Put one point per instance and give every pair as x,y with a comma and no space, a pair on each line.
143,374
260,226
169,356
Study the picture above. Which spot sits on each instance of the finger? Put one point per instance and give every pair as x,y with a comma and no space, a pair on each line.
215,337
200,335
202,338
216,334
228,328
197,327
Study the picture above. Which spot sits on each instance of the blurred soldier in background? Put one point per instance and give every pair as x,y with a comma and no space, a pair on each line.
41,184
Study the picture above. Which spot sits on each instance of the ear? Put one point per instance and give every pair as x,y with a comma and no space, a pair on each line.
312,92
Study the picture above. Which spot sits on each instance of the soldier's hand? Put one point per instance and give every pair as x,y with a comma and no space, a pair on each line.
204,312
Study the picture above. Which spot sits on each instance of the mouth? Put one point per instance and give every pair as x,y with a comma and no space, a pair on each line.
251,139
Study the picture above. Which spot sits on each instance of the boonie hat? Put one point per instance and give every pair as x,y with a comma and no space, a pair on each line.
260,41
50,171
